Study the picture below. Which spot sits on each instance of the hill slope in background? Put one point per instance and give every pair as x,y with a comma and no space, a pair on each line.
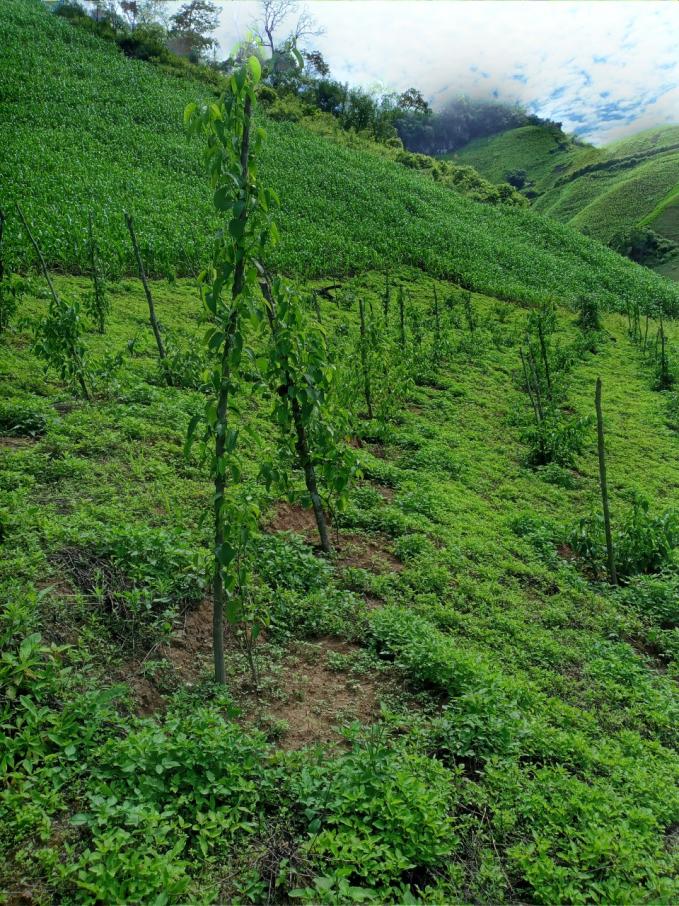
600,191
84,128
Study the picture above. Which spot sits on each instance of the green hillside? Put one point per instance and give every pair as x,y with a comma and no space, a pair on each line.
601,191
467,693
87,129
543,153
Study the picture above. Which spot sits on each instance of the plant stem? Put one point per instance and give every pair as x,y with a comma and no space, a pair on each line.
149,297
612,575
301,443
536,383
43,266
364,360
528,387
221,426
545,358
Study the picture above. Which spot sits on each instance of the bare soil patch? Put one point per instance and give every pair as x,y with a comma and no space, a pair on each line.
387,492
11,442
190,651
377,450
289,517
317,699
371,554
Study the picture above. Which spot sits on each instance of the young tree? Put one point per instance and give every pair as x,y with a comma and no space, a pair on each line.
57,335
301,378
231,296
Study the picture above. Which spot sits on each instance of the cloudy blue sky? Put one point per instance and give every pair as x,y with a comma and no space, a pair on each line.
605,69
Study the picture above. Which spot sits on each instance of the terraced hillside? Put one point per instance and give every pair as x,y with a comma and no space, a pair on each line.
601,191
87,129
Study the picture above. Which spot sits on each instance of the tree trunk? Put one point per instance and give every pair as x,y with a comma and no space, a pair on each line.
612,575
222,425
43,266
536,383
310,477
545,359
149,297
301,442
401,312
529,387
364,360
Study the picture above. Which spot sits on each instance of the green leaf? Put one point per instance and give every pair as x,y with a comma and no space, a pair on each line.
189,110
255,68
190,431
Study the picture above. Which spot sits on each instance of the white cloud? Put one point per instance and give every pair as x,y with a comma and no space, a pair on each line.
603,69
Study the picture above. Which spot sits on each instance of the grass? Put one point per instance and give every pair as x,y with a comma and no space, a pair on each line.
526,743
87,129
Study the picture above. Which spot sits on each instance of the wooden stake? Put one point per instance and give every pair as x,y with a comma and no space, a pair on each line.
612,575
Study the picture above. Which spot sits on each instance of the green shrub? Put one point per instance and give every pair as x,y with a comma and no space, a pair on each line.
324,611
186,367
140,576
572,841
656,597
477,726
379,824
642,543
287,563
588,313
161,797
556,439
19,419
430,658
11,290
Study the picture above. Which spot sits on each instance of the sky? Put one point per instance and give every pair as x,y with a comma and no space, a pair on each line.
604,68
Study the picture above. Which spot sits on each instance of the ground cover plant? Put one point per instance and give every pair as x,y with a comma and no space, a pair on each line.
446,702
510,682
